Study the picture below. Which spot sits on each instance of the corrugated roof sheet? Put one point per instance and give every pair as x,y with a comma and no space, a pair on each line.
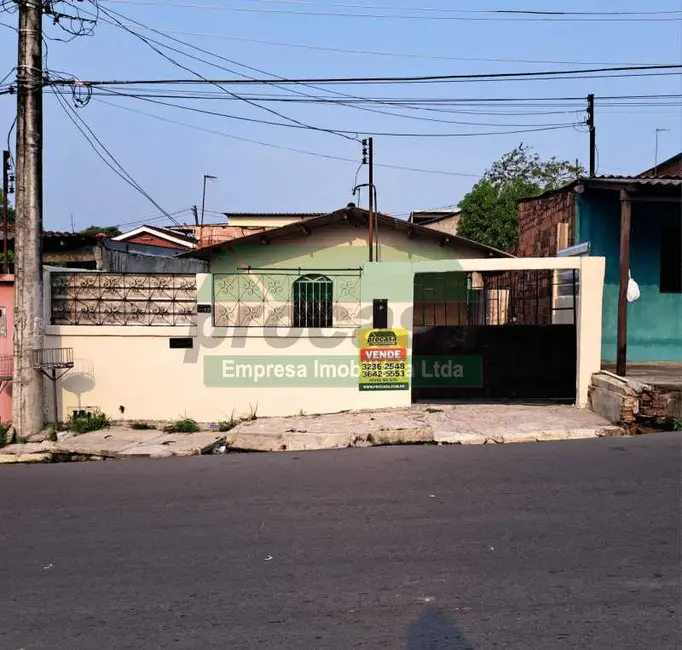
251,215
638,180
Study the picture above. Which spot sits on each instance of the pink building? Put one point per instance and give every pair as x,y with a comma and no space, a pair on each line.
6,345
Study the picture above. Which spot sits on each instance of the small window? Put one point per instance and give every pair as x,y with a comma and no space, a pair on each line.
671,261
313,301
3,322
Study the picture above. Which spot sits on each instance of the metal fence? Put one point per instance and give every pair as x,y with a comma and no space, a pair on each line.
123,299
314,298
535,297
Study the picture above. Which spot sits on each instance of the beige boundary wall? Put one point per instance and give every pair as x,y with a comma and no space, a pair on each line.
130,372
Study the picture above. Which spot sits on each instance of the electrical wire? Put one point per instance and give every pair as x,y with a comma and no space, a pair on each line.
152,218
533,12
503,16
272,145
297,92
393,114
217,84
396,134
121,172
522,76
404,55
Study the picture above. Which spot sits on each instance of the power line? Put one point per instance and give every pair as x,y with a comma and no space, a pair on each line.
304,94
405,55
381,80
217,84
151,218
297,92
548,127
512,102
532,12
397,101
400,115
123,174
282,147
493,16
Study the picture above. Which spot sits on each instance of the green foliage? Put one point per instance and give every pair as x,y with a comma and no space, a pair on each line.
669,424
10,210
110,231
4,430
489,213
489,210
142,426
183,425
10,255
228,425
526,166
88,422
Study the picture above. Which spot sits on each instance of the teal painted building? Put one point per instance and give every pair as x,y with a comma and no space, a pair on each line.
590,211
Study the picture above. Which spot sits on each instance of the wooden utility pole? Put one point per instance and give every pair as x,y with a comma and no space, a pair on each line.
5,211
29,326
593,138
625,224
370,218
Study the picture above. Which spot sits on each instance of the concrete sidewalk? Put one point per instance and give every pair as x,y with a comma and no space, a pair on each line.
466,424
114,442
422,423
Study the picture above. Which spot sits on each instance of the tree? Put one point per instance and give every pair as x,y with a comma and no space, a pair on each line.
109,231
489,210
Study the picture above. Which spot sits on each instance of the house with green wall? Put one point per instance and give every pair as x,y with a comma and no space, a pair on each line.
308,273
636,224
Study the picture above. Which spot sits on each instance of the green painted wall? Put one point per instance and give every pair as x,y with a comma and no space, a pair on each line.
327,248
655,320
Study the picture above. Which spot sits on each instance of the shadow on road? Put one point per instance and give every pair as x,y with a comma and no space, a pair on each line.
436,630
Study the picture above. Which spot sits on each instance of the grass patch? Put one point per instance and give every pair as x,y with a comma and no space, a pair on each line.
142,426
669,424
183,425
228,425
253,412
4,434
433,410
88,422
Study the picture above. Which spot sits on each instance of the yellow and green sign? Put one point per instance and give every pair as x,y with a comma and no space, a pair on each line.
383,359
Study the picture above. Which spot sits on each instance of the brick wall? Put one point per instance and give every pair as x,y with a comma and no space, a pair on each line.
538,221
670,167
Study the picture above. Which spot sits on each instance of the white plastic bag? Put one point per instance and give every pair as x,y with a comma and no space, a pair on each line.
633,289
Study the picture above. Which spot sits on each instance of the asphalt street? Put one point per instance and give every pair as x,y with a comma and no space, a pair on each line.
542,546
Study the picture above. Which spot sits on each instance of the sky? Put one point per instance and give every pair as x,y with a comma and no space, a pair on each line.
168,150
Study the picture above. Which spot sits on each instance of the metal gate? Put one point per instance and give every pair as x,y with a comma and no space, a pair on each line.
495,335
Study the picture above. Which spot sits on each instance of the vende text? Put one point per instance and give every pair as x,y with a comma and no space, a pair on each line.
387,354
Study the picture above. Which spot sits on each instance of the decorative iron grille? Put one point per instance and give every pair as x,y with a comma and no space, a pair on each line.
315,298
123,299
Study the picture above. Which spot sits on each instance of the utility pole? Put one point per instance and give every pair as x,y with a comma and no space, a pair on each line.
370,218
203,203
593,139
197,234
27,387
5,211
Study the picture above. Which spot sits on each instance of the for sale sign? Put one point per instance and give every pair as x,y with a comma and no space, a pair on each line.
383,359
